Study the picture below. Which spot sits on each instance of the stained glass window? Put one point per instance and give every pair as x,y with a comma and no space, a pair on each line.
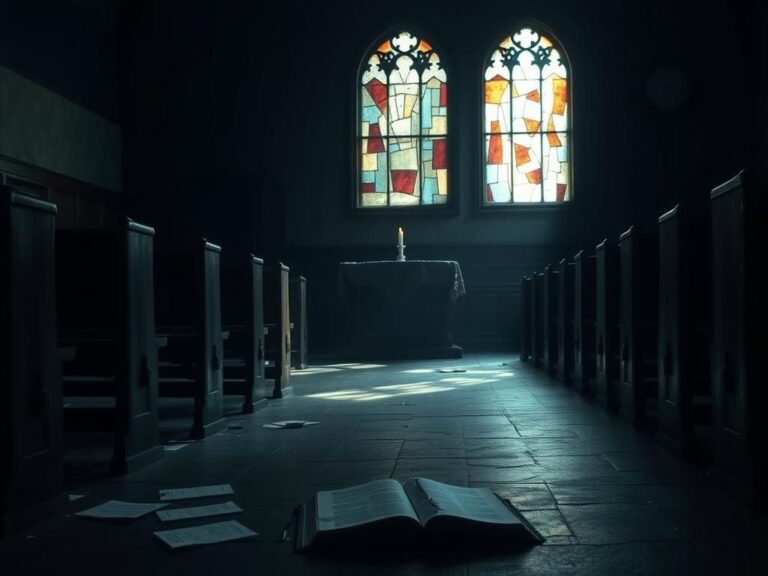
526,122
402,142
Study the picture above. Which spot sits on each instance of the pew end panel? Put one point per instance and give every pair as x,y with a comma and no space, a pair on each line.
551,318
537,319
243,316
638,327
606,325
684,384
739,320
526,300
30,381
299,337
106,302
189,313
277,320
584,346
566,305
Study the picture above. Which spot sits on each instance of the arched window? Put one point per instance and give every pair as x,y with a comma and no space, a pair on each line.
403,126
526,122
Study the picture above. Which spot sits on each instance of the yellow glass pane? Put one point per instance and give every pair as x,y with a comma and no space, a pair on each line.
494,90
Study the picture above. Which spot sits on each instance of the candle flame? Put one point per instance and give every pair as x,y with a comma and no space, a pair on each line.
400,229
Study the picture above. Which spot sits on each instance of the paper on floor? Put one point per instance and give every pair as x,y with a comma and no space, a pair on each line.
198,512
205,534
175,447
196,492
289,424
119,509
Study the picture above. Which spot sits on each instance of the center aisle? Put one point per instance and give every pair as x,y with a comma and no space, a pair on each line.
608,498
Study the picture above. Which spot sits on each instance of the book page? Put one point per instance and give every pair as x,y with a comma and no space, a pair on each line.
362,504
479,504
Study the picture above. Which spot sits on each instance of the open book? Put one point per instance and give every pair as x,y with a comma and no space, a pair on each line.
418,510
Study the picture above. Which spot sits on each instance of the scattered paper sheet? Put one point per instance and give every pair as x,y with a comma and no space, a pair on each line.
205,534
198,512
451,370
196,492
119,509
73,497
289,424
174,447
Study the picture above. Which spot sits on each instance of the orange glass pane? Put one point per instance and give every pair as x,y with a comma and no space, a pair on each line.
495,152
522,154
534,96
424,46
560,87
534,176
554,140
532,125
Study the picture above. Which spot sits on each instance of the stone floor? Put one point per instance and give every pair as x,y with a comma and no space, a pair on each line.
608,498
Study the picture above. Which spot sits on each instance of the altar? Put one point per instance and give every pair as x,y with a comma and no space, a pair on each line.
398,309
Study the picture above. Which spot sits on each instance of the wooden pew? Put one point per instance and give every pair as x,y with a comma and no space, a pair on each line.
526,296
30,411
638,327
105,301
606,329
551,317
298,307
537,319
277,320
739,324
566,304
584,358
189,316
684,333
242,311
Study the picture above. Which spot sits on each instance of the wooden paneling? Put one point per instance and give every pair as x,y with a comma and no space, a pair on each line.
80,205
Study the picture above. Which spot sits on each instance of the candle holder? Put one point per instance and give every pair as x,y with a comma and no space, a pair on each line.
400,255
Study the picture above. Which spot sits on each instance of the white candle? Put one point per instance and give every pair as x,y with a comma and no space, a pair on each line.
399,236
